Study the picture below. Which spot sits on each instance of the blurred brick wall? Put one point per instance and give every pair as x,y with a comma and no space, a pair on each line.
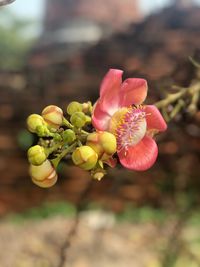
156,49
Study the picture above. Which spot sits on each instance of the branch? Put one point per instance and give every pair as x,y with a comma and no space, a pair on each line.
185,97
66,244
6,2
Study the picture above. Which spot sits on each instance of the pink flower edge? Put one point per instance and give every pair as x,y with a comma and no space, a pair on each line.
140,157
115,94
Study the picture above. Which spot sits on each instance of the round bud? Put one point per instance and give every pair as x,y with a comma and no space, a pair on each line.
98,174
78,119
68,136
53,116
36,155
74,107
103,143
85,157
42,131
44,175
33,121
87,107
88,119
57,137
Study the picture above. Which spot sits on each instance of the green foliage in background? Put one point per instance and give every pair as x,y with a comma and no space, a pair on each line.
14,40
47,210
25,139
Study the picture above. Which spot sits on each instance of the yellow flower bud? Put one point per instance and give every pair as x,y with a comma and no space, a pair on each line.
74,107
44,175
87,107
98,174
103,143
78,119
36,155
33,121
88,119
68,136
85,157
53,116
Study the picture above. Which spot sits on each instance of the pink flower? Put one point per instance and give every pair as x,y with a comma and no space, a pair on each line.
119,111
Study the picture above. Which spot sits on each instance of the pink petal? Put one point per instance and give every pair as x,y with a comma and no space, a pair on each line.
140,157
100,119
133,91
109,91
113,78
154,119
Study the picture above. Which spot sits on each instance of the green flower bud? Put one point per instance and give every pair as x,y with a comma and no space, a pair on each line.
78,119
36,155
53,116
74,107
85,157
88,119
68,136
103,143
42,131
44,175
33,121
57,137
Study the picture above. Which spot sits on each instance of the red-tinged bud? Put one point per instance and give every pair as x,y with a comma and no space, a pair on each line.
43,175
53,116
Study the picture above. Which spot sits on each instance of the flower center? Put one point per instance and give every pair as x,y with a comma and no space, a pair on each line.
130,126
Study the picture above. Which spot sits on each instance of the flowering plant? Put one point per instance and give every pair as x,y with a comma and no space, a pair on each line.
119,127
119,110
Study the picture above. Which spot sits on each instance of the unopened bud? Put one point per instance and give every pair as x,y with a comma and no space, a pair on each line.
74,107
57,137
33,121
103,143
36,155
98,174
53,116
42,131
88,119
87,107
78,119
68,136
85,157
44,175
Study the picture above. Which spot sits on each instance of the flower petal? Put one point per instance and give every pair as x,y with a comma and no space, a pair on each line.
112,80
109,91
100,119
154,119
133,91
140,157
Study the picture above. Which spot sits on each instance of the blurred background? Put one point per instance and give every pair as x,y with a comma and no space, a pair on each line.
56,51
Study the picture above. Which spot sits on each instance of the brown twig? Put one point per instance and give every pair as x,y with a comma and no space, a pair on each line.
6,2
66,244
174,244
185,98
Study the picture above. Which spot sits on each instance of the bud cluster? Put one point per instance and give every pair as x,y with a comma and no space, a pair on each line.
71,135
